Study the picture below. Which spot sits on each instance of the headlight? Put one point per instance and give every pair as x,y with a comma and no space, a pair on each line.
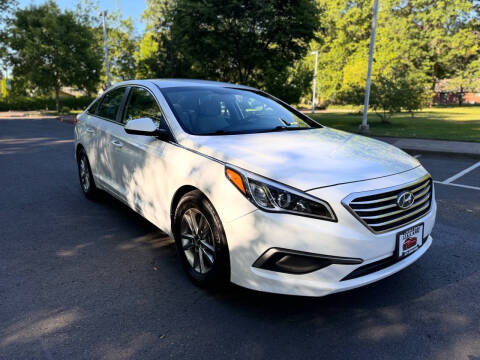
275,197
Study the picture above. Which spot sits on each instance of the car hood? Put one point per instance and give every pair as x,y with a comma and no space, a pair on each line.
306,159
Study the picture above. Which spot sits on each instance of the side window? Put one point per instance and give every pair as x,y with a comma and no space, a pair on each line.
142,104
108,108
93,108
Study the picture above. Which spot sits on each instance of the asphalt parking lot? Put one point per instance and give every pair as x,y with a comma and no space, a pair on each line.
93,280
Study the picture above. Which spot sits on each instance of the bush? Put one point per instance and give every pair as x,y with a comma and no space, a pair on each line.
25,103
391,94
65,110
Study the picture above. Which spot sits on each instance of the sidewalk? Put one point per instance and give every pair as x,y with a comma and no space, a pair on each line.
435,146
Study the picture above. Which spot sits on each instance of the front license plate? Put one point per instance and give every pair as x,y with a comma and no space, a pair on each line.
409,240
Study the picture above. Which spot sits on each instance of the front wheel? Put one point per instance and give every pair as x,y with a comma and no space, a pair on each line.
201,241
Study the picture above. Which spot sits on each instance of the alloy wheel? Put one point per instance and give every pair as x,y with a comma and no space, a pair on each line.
84,174
197,241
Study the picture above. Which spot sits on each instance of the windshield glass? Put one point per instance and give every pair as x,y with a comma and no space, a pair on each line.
217,111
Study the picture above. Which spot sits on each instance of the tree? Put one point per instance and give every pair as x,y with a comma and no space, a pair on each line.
122,47
429,39
249,42
146,55
290,84
440,31
6,6
464,56
390,93
122,40
158,54
52,49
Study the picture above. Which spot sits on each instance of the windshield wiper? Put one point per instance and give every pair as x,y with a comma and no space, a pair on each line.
222,132
217,132
283,127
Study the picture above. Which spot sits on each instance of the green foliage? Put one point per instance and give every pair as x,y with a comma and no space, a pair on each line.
65,110
249,42
146,58
26,103
390,93
429,40
6,7
122,46
52,49
260,43
290,84
122,40
158,55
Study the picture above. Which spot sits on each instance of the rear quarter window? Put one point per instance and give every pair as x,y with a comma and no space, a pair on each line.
108,108
92,109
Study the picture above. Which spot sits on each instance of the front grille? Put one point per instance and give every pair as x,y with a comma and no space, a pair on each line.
378,210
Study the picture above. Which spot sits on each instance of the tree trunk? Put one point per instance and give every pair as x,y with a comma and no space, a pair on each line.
57,98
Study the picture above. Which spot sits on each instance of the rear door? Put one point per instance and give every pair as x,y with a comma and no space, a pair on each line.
87,131
109,114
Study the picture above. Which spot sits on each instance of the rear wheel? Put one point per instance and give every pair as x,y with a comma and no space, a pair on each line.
85,174
201,241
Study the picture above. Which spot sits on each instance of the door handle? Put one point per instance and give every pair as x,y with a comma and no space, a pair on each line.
90,130
117,143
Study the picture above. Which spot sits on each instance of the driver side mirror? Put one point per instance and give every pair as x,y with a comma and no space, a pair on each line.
146,126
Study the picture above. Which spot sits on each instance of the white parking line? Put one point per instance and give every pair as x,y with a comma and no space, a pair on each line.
461,173
417,156
458,185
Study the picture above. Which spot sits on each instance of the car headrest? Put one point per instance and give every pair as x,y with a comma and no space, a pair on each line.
210,107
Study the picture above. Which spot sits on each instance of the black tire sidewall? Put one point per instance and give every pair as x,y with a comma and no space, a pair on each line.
220,273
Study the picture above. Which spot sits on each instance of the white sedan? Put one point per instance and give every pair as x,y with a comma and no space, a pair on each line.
253,191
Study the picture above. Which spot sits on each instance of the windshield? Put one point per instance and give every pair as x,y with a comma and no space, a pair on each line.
218,111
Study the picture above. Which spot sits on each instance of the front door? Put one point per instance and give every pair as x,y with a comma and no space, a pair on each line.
139,159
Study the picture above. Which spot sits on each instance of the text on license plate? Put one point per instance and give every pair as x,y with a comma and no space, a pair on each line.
409,240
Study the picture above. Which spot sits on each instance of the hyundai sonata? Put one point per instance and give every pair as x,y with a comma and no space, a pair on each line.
253,191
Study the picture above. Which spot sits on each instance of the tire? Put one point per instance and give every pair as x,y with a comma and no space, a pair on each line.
87,183
197,250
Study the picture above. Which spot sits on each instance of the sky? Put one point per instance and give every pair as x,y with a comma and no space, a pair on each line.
133,8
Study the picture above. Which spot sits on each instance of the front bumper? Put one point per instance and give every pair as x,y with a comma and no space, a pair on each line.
253,234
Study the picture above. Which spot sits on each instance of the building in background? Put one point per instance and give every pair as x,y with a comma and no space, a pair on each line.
448,91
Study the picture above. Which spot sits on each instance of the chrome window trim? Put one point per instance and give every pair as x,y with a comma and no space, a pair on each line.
101,98
346,201
125,106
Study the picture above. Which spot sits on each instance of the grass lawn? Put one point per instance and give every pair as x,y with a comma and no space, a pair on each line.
461,123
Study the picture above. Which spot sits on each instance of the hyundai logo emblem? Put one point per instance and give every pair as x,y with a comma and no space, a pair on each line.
405,200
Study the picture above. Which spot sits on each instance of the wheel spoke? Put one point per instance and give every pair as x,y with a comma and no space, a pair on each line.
187,241
207,246
200,256
197,240
209,257
202,226
192,223
188,246
195,259
187,237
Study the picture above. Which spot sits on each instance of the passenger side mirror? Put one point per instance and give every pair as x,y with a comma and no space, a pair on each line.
146,126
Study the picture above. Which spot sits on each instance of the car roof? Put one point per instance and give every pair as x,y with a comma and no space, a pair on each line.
166,83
